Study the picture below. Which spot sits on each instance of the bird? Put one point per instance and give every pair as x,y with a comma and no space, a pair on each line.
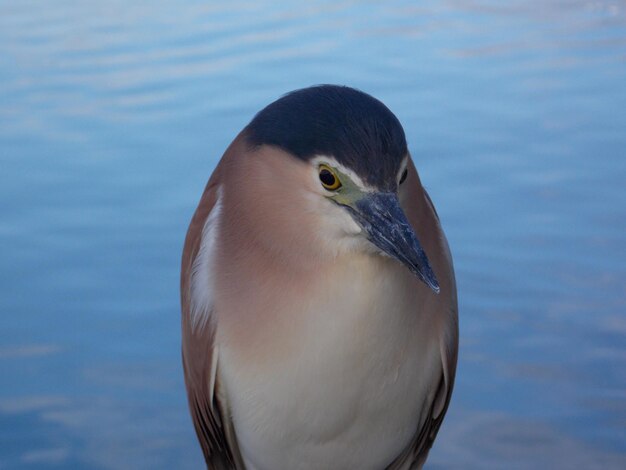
319,303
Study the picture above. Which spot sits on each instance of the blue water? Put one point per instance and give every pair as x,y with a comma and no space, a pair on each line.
114,113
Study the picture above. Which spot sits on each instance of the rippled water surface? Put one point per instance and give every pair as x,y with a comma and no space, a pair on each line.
113,114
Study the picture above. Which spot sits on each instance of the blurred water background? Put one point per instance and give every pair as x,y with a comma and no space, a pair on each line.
114,113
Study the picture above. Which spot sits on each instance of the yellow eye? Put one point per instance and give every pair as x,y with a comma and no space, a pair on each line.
329,178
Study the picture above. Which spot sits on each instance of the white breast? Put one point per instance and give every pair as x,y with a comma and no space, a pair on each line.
355,388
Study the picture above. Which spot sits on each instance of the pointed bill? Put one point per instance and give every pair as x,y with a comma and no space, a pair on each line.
387,227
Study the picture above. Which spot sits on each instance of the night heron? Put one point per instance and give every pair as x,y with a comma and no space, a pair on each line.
319,310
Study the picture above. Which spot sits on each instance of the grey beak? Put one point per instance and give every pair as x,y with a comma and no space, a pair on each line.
382,218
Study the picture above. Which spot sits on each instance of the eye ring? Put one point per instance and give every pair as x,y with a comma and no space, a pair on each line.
329,178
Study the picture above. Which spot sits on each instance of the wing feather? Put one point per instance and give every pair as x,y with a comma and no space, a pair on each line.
415,454
209,410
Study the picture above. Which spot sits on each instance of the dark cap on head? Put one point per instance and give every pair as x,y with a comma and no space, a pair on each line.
356,129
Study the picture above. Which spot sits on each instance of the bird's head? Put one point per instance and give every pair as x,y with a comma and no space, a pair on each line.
351,159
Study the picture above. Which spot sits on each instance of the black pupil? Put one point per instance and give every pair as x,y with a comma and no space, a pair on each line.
327,177
403,177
